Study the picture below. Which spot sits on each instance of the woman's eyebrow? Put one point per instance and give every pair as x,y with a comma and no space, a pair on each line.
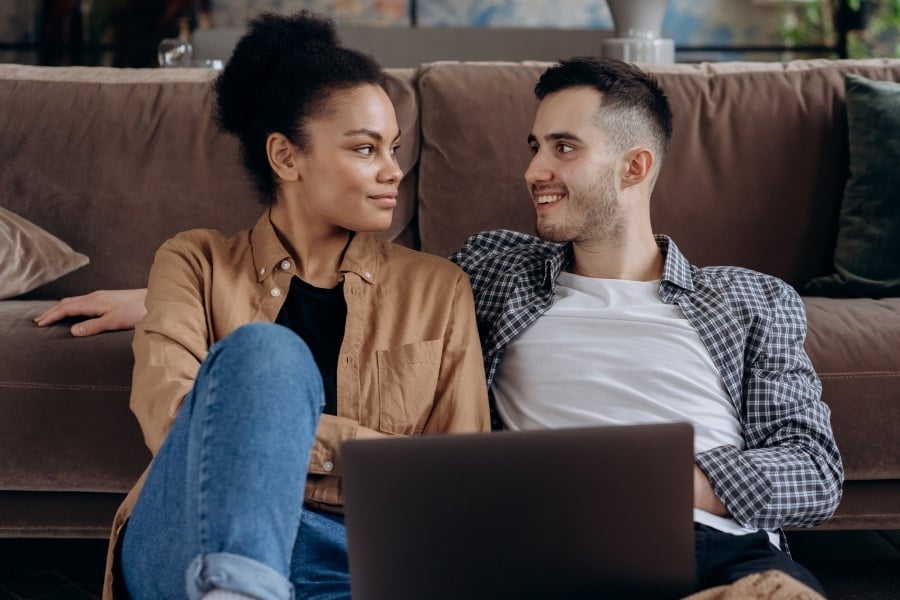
371,133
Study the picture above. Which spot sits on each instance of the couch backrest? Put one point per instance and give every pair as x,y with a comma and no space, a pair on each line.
753,177
115,161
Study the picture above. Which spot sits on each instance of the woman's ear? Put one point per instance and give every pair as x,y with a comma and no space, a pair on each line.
638,165
282,157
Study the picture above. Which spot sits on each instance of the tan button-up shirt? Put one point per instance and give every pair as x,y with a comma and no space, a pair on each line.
410,361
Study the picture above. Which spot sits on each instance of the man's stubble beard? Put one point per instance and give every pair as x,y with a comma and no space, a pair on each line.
592,215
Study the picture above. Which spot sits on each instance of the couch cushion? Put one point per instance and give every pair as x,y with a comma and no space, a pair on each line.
115,161
753,177
65,423
400,87
867,256
475,121
854,344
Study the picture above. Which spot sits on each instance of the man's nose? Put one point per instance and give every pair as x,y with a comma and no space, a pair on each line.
537,170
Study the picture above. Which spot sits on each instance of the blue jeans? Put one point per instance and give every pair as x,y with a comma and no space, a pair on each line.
222,506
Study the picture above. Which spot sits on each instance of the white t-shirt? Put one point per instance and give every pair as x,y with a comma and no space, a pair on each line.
610,352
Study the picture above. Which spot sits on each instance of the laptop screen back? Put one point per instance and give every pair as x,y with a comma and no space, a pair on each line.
592,512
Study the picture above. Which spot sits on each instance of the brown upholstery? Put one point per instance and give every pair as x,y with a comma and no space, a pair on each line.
66,425
89,151
113,162
753,176
855,346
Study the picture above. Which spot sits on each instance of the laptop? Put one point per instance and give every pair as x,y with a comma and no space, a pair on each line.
599,512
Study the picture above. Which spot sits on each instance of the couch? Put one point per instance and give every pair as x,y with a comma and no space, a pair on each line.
113,162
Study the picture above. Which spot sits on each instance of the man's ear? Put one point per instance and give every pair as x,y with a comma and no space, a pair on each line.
639,164
282,157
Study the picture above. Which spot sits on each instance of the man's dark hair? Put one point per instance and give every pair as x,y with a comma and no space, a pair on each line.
633,110
281,73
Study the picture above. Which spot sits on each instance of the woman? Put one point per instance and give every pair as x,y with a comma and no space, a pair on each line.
261,352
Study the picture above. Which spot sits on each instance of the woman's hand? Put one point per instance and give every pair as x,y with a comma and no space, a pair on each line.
111,310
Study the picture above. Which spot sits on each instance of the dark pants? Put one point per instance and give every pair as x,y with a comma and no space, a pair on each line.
723,558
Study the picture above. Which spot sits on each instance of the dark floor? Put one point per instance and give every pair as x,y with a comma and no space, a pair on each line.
852,565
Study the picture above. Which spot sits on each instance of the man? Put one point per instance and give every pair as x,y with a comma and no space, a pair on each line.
601,322
598,321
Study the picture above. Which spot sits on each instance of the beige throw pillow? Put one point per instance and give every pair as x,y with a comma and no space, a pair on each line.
30,256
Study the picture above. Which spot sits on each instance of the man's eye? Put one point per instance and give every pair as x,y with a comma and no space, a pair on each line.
565,148
367,150
395,149
533,149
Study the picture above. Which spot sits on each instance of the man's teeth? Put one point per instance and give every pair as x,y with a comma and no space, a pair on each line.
548,198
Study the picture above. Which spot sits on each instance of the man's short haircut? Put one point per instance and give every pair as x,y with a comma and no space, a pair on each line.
634,110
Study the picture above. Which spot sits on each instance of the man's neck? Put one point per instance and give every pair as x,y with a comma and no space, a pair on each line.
635,259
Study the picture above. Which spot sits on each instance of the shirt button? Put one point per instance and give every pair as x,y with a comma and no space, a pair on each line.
275,292
285,265
328,466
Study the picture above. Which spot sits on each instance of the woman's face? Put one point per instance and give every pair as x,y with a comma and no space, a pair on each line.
349,172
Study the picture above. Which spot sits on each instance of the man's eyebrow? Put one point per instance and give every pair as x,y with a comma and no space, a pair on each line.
550,137
370,133
562,135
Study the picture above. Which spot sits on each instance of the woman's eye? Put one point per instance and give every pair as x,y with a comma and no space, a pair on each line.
395,149
367,150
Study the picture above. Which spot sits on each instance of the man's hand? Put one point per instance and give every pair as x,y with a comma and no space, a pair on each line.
111,310
704,497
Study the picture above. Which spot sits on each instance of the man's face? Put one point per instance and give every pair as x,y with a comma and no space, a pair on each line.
571,176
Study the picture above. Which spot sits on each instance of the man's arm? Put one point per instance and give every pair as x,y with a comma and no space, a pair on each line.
110,310
704,496
790,471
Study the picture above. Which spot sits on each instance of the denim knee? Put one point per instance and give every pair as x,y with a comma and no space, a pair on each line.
263,356
267,346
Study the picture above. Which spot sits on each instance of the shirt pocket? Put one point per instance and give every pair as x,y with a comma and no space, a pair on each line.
407,380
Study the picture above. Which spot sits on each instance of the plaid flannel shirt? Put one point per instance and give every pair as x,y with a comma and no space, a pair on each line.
753,325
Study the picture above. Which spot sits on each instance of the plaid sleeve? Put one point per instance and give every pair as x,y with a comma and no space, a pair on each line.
790,473
488,244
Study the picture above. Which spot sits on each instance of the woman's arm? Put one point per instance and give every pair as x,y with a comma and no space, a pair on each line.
461,401
171,341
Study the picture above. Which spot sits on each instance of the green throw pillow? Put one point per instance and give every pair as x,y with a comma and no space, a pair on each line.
867,255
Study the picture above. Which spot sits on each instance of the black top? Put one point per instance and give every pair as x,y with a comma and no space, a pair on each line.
318,316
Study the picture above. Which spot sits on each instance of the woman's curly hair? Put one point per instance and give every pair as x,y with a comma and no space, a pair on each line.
281,73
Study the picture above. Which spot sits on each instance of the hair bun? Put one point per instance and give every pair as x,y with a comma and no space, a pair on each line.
271,38
280,75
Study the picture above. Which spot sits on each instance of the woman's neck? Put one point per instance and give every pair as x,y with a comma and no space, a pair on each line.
317,251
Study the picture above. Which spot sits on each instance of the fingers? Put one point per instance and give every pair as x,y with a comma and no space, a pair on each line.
107,311
89,327
70,307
